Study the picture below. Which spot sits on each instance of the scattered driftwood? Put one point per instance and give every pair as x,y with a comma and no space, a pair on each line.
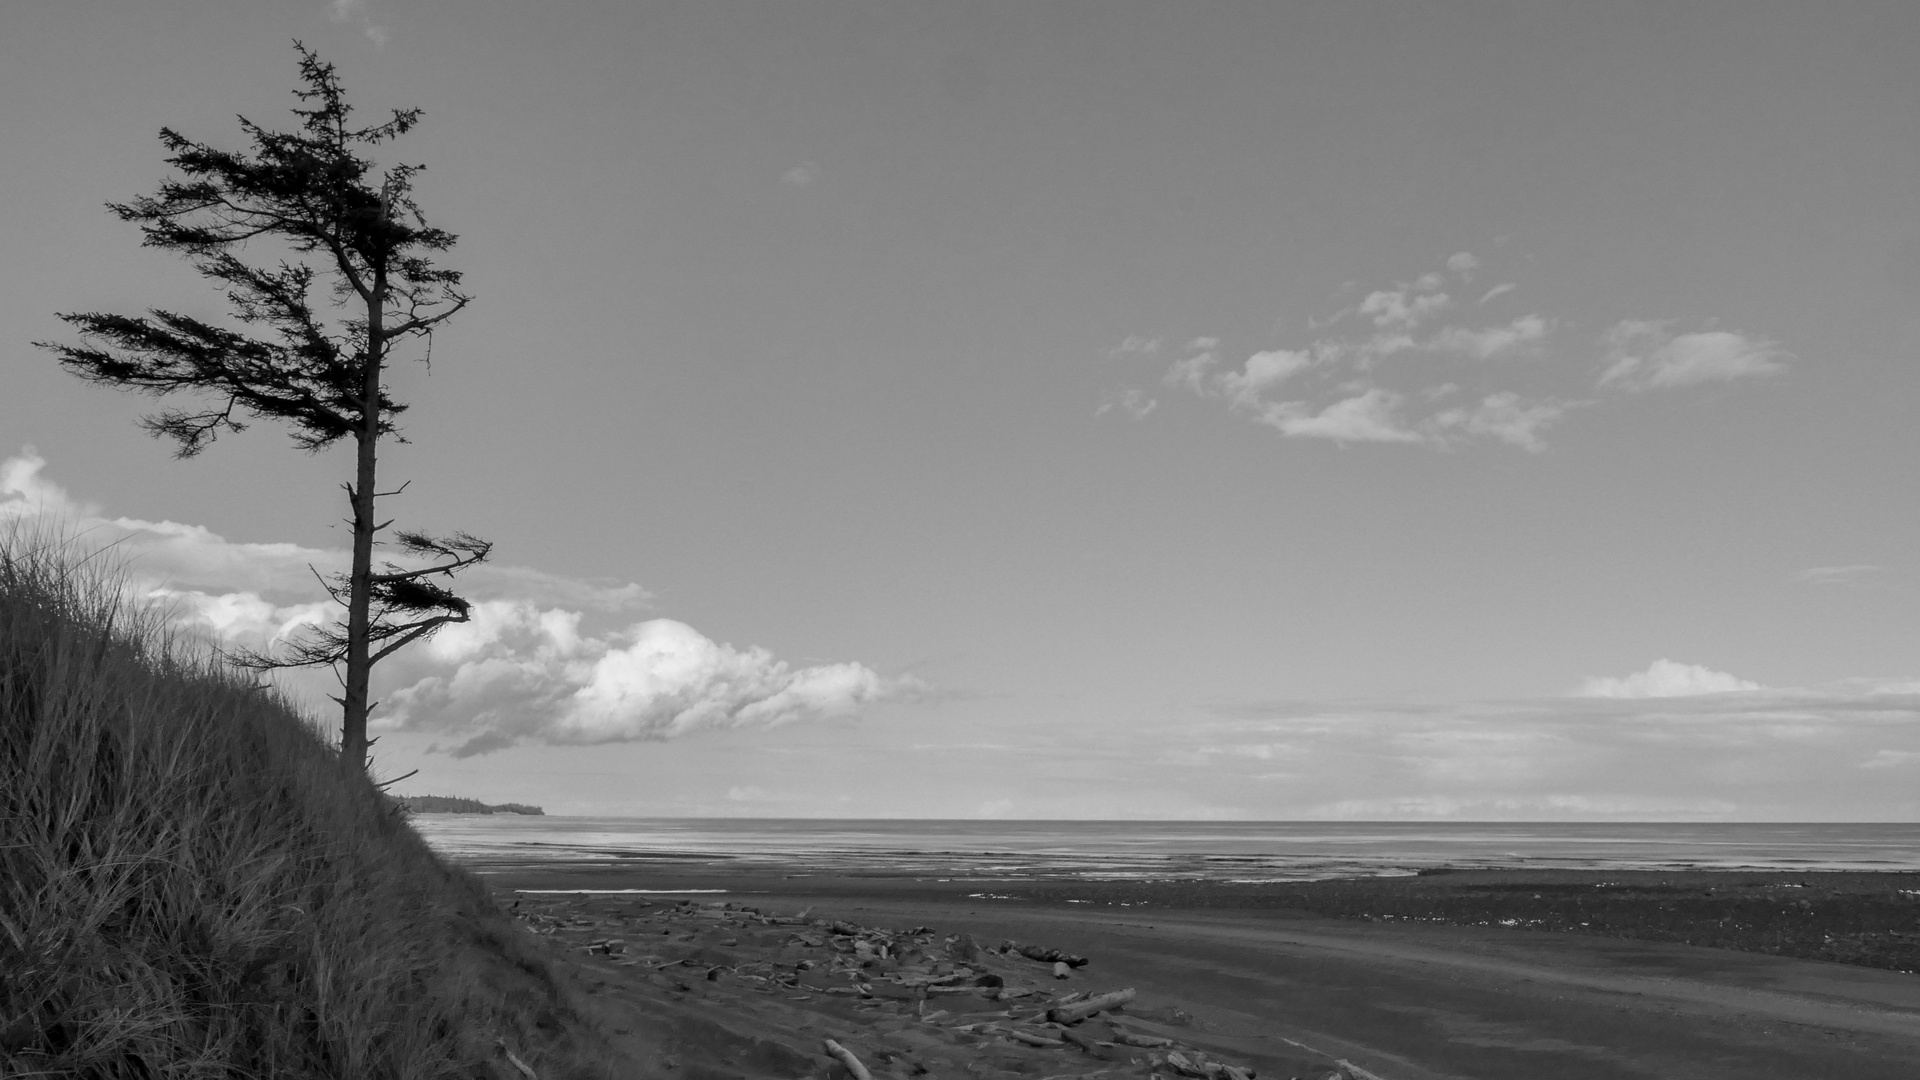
888,972
1080,1010
846,1058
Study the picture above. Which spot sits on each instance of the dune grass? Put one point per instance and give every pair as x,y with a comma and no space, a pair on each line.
192,885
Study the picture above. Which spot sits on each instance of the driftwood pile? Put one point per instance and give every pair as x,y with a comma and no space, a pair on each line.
905,1003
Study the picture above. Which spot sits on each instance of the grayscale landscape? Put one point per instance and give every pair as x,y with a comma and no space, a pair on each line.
1035,540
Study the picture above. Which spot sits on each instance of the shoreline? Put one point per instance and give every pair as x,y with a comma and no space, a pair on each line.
1866,918
1403,998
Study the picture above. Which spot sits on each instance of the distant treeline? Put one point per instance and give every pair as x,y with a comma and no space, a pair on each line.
449,804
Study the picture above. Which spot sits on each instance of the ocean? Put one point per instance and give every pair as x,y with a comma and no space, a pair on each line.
1229,851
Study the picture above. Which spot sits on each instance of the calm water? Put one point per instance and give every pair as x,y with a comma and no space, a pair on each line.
1219,851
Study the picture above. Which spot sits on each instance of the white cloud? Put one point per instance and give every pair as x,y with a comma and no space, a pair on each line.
1131,400
1507,417
523,668
1262,371
1377,370
1191,370
356,11
801,175
1135,346
1367,417
1402,307
1664,679
1642,355
1492,341
1844,752
1855,574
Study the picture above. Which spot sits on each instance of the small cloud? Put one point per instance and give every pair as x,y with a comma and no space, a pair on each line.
1665,678
1507,417
1401,308
1463,263
1856,574
1263,370
1133,401
1498,291
1135,346
1191,370
1642,355
801,175
1368,417
1891,759
484,743
1485,344
341,11
748,793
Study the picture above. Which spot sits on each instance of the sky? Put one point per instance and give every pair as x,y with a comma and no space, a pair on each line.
1396,411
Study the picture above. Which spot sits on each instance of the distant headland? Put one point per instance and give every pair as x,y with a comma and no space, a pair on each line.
449,804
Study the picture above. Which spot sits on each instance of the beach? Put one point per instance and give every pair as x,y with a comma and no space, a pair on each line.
1439,975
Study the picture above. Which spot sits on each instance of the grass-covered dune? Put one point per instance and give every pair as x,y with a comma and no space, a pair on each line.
192,886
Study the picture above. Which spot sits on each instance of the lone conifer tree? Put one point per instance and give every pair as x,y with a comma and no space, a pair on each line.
310,191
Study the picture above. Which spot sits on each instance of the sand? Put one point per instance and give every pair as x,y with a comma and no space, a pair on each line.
1242,976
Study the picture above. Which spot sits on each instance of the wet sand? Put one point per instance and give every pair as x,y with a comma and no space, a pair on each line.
1285,991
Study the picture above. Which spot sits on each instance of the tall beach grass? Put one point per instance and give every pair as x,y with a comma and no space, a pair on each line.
192,885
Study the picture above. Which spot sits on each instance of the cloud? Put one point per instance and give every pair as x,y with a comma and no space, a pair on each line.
1665,679
1387,367
1262,372
801,175
1856,574
1132,400
1844,752
525,667
355,11
1403,307
1492,341
1191,370
1507,417
193,560
1366,417
1135,346
1642,355
521,672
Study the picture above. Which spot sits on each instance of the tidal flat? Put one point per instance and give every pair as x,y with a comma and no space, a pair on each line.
1486,974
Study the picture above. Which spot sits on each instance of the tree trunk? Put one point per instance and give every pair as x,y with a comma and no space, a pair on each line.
354,708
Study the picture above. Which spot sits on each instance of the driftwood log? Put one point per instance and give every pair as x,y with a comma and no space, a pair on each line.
1051,956
845,1057
1080,1010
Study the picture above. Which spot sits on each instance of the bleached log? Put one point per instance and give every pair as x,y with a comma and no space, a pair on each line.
1030,1038
845,1057
1080,1010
